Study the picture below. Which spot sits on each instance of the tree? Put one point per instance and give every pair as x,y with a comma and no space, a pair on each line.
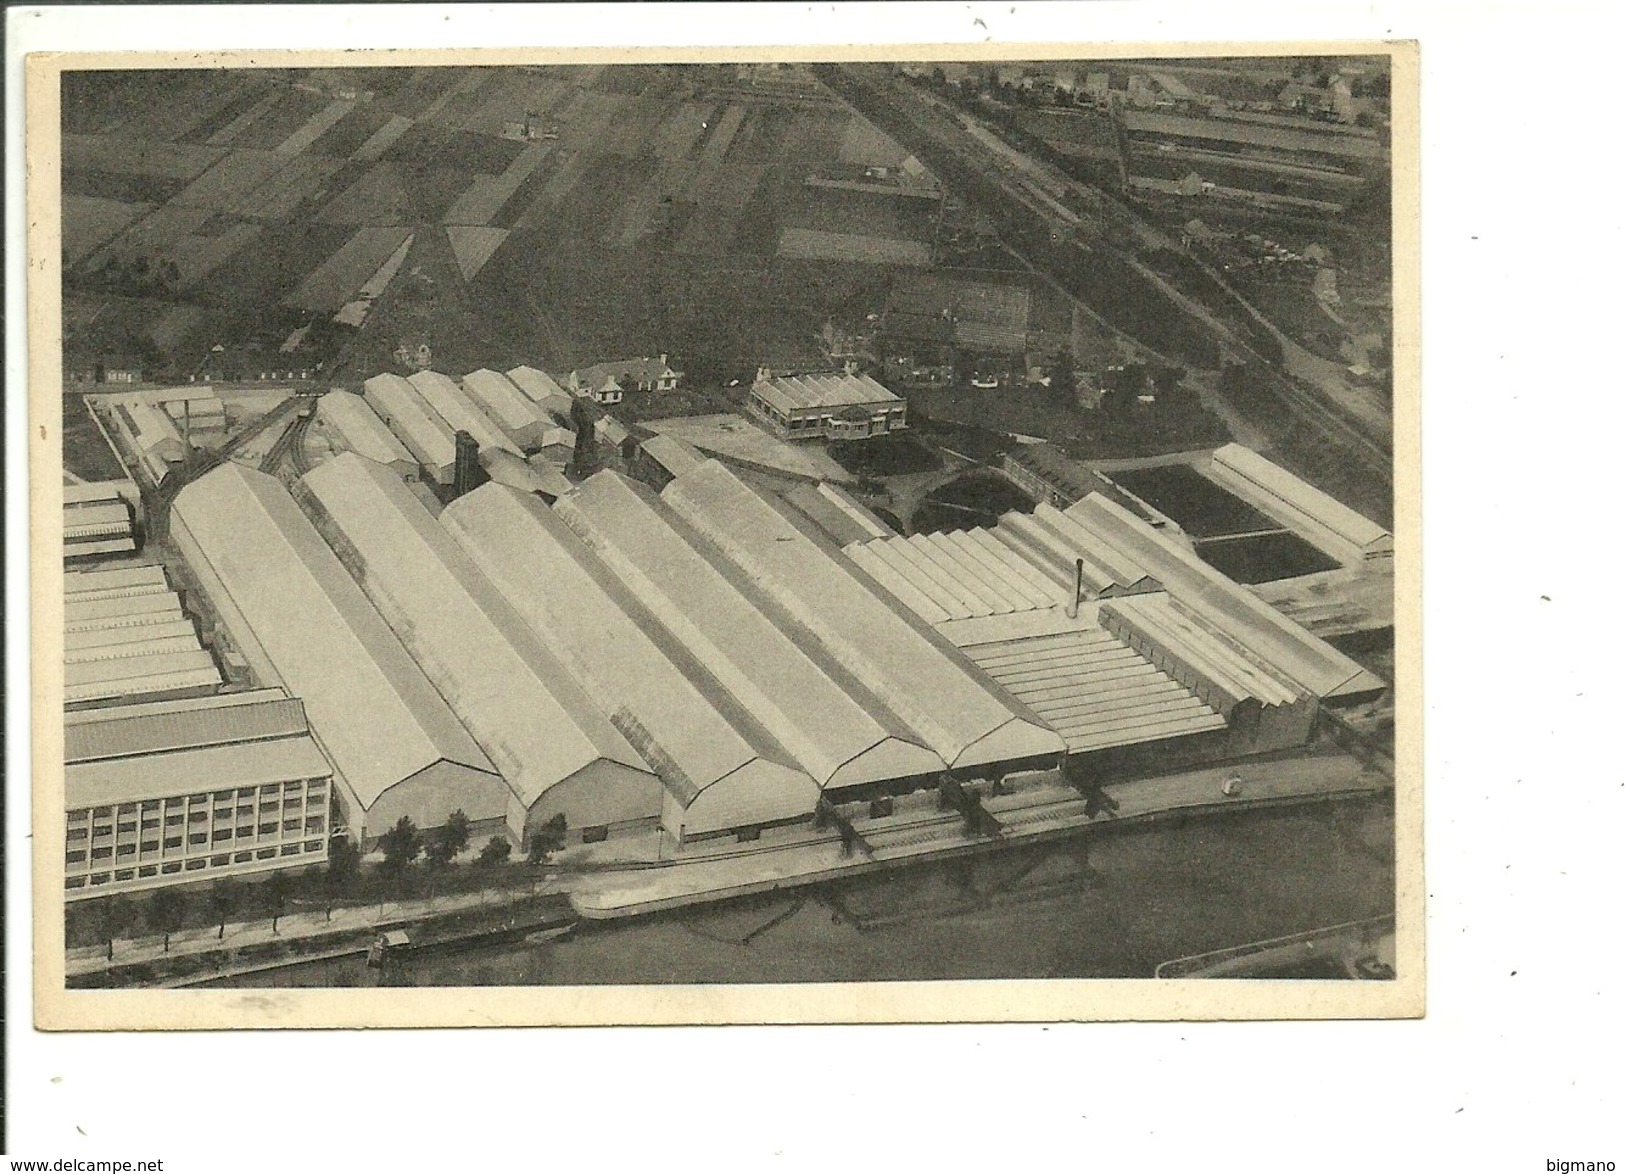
438,848
225,898
343,867
402,844
548,838
114,916
166,912
497,850
456,831
280,888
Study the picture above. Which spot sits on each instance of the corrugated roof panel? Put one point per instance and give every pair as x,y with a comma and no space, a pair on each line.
85,611
155,733
684,722
928,684
787,687
94,638
1039,585
99,548
248,764
148,576
1123,569
301,620
152,664
452,404
990,582
151,646
875,559
905,562
525,710
917,552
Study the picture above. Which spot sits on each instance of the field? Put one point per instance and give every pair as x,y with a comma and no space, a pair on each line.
560,216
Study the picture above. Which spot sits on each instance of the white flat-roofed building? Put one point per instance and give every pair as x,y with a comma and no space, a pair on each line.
519,417
353,425
1317,516
957,711
834,728
826,405
300,621
423,433
721,769
557,751
178,791
452,404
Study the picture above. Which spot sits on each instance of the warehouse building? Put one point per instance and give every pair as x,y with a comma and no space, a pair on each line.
971,724
459,412
197,408
841,517
1317,516
150,437
1119,638
97,522
423,433
834,728
555,749
722,771
298,618
355,427
828,405
127,637
544,391
175,791
660,458
519,417
1045,473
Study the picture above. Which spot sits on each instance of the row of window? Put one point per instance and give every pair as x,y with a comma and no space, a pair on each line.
78,831
269,790
194,864
76,854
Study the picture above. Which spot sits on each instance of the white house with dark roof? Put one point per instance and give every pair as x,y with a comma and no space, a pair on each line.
607,383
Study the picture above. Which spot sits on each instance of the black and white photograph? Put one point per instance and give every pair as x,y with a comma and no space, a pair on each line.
765,587
778,524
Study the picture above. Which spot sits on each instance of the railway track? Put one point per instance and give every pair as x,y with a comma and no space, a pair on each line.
993,181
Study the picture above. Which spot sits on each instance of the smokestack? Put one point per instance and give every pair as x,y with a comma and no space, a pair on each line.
1077,591
468,474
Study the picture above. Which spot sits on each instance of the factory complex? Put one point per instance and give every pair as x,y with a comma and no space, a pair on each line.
697,655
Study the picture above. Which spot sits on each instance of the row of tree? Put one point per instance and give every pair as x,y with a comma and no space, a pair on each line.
167,910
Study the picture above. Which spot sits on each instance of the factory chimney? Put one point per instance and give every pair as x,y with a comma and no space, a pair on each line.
1077,591
468,475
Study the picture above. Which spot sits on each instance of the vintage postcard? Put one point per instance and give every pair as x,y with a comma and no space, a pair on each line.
924,534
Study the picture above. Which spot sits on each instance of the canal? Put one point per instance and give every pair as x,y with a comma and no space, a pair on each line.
1105,906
